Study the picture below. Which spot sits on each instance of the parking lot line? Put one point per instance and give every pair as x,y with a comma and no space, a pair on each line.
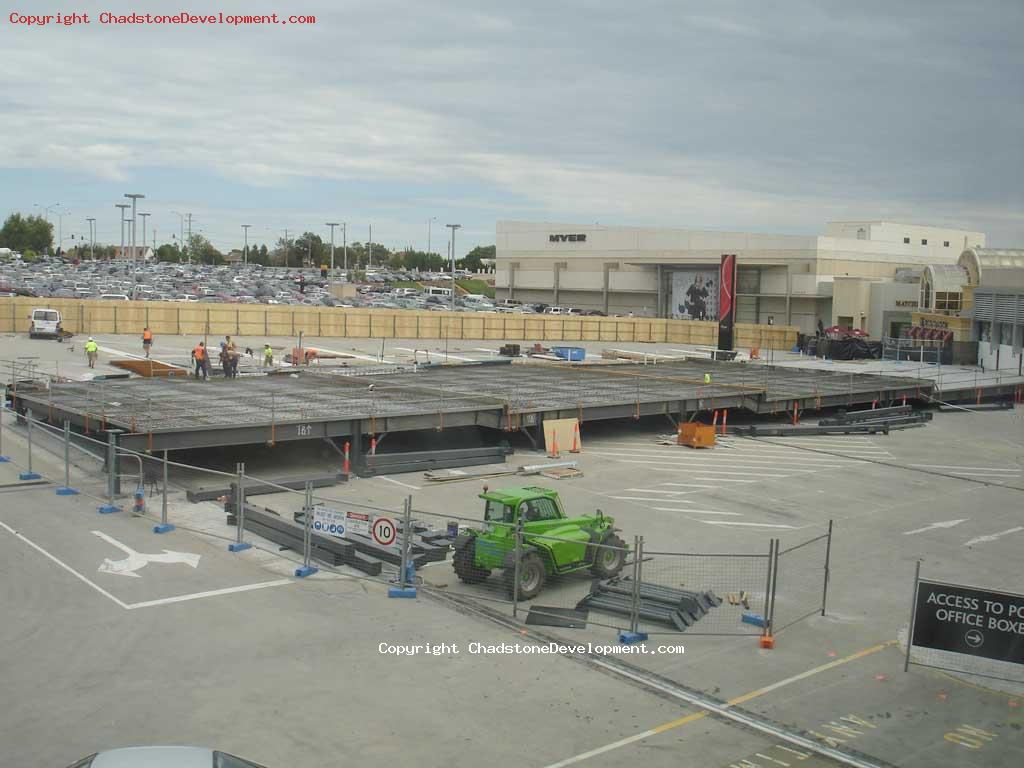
209,593
399,482
65,566
750,525
672,724
657,501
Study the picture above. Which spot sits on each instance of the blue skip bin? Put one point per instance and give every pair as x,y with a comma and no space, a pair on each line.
572,354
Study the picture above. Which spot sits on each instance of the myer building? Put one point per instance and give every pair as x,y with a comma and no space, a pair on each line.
863,274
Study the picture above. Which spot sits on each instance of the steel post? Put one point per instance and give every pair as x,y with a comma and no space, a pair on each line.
515,567
768,588
164,526
307,568
66,489
634,615
109,507
29,475
828,557
775,588
239,544
913,615
3,408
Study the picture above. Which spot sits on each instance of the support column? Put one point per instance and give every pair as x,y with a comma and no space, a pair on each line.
558,267
609,267
660,311
513,266
356,447
789,296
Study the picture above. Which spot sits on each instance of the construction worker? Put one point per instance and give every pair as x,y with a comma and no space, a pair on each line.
199,355
147,340
92,349
232,357
707,378
268,356
225,360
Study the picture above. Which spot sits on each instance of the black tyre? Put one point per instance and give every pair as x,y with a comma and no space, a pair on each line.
532,575
465,565
608,562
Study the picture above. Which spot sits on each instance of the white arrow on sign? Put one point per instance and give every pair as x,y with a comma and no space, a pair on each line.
933,526
138,560
992,536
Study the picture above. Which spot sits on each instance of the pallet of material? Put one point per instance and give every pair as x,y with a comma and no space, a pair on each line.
261,489
422,461
422,552
326,549
676,608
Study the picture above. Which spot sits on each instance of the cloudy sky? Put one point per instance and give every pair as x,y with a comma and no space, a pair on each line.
770,117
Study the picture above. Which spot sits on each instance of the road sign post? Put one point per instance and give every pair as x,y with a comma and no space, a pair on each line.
29,475
307,569
3,408
164,526
66,489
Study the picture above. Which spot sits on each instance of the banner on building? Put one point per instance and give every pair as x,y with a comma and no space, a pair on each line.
695,294
726,301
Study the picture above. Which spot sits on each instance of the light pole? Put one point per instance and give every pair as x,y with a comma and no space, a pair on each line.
332,225
453,227
122,206
344,246
60,229
189,238
369,251
286,249
245,250
430,221
181,241
134,198
92,238
143,215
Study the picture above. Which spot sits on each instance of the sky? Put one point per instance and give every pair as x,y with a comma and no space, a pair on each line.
745,116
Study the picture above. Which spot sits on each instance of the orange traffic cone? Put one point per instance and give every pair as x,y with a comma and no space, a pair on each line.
554,447
575,439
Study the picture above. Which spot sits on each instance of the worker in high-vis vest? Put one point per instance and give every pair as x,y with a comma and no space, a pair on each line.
199,355
147,340
268,356
707,378
91,350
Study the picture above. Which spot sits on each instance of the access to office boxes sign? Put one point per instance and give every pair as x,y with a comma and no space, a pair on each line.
976,622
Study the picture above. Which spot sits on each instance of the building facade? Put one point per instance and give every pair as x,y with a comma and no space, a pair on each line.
861,274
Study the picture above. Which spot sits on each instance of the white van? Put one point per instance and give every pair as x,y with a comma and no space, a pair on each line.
433,290
555,311
44,322
113,297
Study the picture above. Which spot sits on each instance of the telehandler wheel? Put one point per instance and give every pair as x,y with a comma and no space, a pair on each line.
608,562
465,565
532,575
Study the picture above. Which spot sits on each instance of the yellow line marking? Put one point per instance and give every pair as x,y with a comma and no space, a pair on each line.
730,703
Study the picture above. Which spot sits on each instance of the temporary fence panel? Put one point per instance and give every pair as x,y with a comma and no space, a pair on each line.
800,583
713,594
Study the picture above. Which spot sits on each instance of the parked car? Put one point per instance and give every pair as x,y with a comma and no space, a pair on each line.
44,323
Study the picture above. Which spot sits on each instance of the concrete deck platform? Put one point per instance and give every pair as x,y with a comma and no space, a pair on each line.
172,413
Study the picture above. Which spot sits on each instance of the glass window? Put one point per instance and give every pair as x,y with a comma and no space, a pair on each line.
945,243
924,241
542,509
496,512
906,240
224,760
985,331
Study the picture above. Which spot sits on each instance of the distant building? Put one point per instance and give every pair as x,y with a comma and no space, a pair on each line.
234,256
862,274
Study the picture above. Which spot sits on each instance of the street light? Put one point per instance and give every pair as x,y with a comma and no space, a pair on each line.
122,206
429,222
245,250
332,225
453,227
134,199
143,215
92,238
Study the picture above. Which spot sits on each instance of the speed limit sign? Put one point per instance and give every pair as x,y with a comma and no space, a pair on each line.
384,531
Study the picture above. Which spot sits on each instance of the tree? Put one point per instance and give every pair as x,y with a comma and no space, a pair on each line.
31,233
169,253
310,248
474,259
202,250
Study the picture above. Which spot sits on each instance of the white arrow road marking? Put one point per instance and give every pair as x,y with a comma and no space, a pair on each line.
138,560
933,526
993,536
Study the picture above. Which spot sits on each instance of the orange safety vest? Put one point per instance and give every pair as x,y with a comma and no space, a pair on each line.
199,352
147,335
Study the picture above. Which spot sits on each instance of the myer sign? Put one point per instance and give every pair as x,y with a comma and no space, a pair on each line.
567,238
977,622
